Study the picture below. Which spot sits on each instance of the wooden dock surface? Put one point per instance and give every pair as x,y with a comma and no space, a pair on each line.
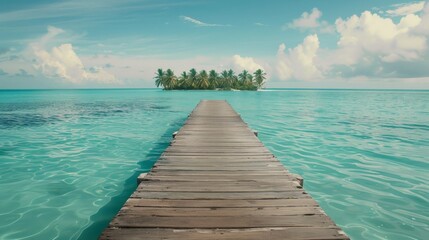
218,181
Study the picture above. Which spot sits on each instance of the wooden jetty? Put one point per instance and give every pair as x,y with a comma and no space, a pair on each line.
217,181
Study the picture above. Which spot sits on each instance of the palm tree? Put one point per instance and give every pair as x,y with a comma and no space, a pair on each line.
203,80
246,81
249,79
224,79
159,77
243,77
182,80
232,79
213,79
260,77
192,79
170,80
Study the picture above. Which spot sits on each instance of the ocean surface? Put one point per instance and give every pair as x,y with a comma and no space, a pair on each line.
69,158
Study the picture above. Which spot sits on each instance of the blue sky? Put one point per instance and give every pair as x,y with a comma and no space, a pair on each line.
316,44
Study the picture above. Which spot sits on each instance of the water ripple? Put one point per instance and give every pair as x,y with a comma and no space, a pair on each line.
69,159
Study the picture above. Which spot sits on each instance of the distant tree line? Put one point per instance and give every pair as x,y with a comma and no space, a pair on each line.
203,80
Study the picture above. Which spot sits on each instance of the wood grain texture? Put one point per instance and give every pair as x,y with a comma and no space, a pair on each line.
295,233
217,181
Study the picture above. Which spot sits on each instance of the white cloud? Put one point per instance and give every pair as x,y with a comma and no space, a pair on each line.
310,21
200,23
371,34
423,28
245,63
378,47
284,70
406,8
52,33
299,63
370,46
63,62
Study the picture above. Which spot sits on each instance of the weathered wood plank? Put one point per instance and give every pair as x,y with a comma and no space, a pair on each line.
211,165
222,178
199,163
292,233
221,195
217,149
219,144
217,172
130,221
207,168
214,158
224,189
245,184
216,203
219,212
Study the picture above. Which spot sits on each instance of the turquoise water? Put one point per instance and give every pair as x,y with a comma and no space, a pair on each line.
69,158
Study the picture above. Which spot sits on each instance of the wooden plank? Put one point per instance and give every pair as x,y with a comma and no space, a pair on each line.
205,160
217,149
217,172
199,163
292,233
214,164
130,221
216,136
214,158
207,168
216,154
220,162
208,144
217,185
185,187
222,178
229,141
219,212
216,180
222,152
216,203
221,195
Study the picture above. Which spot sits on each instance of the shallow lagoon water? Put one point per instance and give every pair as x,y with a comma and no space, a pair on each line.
69,158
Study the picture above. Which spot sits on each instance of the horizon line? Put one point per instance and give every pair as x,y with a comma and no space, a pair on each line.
155,88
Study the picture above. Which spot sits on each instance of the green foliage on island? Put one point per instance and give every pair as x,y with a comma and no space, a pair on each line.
203,80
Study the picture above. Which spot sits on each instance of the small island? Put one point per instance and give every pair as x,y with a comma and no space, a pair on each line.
212,80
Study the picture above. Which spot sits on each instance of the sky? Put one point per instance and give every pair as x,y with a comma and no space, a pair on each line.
298,43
